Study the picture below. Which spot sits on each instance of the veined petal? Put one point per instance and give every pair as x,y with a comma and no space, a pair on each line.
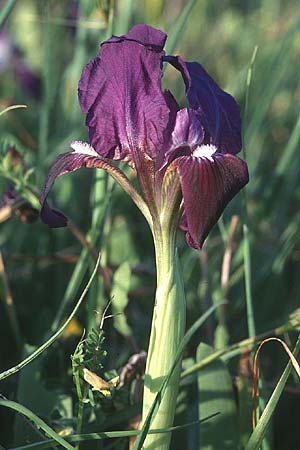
145,35
216,110
120,92
187,130
186,136
207,184
83,155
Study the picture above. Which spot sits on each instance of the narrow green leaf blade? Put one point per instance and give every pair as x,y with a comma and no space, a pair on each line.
37,421
259,432
216,395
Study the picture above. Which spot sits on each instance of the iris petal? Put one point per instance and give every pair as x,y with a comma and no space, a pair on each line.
82,156
187,130
187,134
207,184
120,92
216,110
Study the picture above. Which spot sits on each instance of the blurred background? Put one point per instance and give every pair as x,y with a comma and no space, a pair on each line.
251,258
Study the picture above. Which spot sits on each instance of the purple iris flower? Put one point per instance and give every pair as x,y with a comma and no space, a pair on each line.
130,118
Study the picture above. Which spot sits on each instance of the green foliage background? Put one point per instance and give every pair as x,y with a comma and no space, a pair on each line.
252,49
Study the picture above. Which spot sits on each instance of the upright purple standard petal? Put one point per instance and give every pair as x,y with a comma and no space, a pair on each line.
187,130
216,110
120,92
187,134
208,184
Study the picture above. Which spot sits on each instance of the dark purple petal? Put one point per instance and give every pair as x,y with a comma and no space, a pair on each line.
52,217
120,92
145,35
82,156
216,110
207,184
174,108
187,130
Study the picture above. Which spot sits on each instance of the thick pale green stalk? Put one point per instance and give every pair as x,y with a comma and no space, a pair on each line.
168,326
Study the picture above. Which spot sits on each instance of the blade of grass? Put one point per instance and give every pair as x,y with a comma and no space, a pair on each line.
109,434
259,432
46,93
10,108
53,338
6,10
287,156
177,30
246,237
100,208
237,348
37,421
215,393
9,305
249,299
248,84
256,372
123,17
246,244
100,198
276,70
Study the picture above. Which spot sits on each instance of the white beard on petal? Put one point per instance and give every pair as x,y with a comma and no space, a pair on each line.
204,151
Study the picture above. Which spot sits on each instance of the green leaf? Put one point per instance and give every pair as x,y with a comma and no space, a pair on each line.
37,421
186,412
104,435
216,395
243,386
38,399
54,337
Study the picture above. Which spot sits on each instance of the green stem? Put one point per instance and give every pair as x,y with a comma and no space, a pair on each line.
80,405
167,331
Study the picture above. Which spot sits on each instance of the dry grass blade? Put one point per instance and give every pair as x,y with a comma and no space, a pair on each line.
228,255
10,108
7,210
255,387
9,304
87,244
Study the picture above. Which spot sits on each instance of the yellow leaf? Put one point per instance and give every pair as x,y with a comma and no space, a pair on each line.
98,384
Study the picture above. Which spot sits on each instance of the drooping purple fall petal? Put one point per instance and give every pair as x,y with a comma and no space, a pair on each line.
120,92
82,156
216,110
208,184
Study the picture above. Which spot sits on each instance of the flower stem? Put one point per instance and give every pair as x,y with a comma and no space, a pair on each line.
168,326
